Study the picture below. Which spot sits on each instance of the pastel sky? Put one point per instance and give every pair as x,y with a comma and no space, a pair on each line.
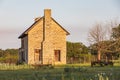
76,16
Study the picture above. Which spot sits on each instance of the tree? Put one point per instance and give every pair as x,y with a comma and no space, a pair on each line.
105,38
2,53
9,56
116,38
116,32
96,36
74,50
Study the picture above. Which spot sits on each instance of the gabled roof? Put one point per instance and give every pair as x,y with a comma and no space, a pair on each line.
61,26
26,31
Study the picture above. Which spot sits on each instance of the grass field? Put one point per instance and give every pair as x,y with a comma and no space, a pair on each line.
63,72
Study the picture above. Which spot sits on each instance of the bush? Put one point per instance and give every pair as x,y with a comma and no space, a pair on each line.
9,56
10,60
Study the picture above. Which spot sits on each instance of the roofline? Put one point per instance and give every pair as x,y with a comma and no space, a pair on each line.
25,32
61,26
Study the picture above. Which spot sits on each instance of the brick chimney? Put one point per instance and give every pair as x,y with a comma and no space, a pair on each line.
47,16
47,24
47,37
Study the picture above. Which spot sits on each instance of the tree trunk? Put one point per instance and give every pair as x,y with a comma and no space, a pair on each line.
99,55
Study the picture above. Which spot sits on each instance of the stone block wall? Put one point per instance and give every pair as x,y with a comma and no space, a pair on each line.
35,37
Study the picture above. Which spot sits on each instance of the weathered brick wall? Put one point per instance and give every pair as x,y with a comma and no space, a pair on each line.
35,37
55,39
59,41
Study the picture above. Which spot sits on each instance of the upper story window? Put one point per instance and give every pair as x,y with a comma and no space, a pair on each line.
22,43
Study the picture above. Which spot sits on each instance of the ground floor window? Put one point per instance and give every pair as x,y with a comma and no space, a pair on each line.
38,55
57,54
23,56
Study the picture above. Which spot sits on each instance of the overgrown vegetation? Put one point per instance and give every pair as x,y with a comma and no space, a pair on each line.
77,53
105,45
64,73
9,56
5,66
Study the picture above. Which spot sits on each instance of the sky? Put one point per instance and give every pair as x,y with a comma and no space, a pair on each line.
76,16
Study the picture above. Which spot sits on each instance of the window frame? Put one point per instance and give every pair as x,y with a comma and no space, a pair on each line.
38,52
22,43
57,54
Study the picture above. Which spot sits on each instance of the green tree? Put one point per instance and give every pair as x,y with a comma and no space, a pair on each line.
74,50
2,53
116,38
116,32
9,56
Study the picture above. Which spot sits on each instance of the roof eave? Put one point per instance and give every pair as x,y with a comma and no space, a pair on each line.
61,26
26,31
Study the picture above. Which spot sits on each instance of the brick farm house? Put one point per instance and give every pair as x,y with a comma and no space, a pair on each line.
44,42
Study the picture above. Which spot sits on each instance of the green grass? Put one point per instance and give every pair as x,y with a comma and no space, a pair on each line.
73,72
73,65
14,67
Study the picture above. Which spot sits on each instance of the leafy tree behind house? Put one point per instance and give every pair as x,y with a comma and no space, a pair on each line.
75,52
116,38
106,50
9,56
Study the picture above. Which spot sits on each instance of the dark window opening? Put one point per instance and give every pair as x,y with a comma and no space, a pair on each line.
57,55
22,43
38,54
23,56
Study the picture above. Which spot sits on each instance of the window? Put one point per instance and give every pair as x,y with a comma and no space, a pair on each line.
57,55
23,56
38,55
22,43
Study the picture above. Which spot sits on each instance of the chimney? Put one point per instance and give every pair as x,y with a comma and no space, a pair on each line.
47,17
47,13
